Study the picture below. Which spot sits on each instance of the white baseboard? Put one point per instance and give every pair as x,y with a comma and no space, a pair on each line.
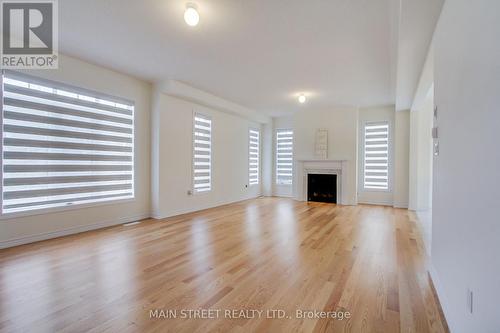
159,216
425,225
70,231
283,196
375,202
441,296
385,203
400,205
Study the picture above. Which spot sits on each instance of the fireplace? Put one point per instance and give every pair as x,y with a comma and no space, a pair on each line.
322,187
305,167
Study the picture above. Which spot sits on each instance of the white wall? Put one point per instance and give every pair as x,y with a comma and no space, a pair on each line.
267,159
172,152
421,123
376,114
415,144
81,74
421,158
342,124
466,196
401,158
399,121
425,124
421,155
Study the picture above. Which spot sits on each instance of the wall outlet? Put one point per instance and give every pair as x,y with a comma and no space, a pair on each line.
470,301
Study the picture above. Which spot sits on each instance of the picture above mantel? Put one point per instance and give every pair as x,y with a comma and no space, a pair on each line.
321,144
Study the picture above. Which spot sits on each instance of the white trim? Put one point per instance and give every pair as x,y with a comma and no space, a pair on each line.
1,142
390,162
253,128
193,191
77,90
322,171
44,211
68,87
376,196
279,195
376,202
70,231
322,160
275,157
329,166
424,224
400,205
193,114
438,286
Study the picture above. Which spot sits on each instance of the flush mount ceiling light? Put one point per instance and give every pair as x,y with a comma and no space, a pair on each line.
191,15
302,98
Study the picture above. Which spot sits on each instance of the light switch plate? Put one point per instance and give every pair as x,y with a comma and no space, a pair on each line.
434,132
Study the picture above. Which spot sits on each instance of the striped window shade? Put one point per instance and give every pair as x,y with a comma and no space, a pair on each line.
253,156
376,156
284,156
202,153
63,145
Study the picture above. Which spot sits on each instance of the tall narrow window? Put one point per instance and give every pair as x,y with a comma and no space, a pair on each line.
253,156
63,145
376,156
202,153
284,156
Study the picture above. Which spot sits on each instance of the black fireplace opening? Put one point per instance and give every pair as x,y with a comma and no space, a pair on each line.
322,188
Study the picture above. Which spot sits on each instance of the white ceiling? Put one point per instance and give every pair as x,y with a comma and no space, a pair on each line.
258,53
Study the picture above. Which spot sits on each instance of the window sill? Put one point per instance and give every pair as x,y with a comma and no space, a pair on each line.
195,194
52,210
372,190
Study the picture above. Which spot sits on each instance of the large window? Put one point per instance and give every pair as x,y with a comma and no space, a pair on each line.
253,156
376,156
202,153
63,146
284,156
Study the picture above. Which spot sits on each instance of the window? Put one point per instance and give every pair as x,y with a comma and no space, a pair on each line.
376,156
63,146
202,153
253,156
284,156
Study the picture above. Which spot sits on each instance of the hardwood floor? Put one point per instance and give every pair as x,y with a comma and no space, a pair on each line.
262,254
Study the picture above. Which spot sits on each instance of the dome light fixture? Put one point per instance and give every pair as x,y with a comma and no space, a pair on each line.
302,98
191,15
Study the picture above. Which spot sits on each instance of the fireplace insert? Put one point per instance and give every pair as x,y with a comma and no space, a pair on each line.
322,188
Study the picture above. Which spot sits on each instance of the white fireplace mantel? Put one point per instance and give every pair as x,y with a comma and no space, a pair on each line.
320,160
304,167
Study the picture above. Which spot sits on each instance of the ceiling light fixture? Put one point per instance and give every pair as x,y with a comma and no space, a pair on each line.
191,15
302,99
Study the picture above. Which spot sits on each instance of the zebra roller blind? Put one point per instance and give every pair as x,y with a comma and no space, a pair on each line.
376,156
202,153
63,146
284,156
253,156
